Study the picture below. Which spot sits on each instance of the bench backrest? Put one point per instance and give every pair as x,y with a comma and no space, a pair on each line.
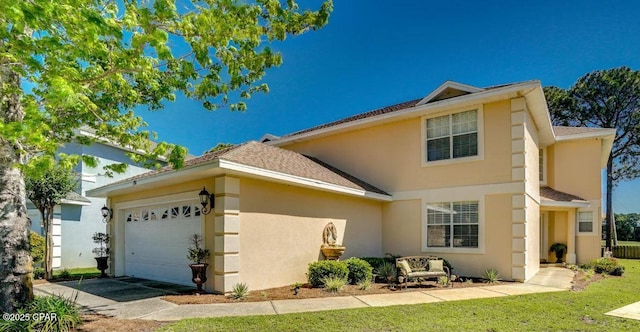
417,262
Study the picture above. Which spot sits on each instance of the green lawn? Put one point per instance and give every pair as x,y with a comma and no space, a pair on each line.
575,311
77,273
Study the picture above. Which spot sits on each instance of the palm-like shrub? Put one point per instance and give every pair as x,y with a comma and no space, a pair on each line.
491,276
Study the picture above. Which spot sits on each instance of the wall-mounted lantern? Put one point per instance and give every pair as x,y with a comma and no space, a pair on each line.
107,214
206,199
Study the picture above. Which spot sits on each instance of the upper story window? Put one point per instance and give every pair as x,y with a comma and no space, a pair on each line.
452,136
542,166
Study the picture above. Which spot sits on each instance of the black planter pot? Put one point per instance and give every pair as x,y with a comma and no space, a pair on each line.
102,265
199,274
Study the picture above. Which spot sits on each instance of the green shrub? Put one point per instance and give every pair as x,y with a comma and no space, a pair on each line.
586,266
326,269
359,270
491,276
55,313
617,271
239,291
65,274
607,265
375,262
333,284
36,241
38,273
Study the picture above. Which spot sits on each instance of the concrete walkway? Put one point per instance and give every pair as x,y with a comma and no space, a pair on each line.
139,301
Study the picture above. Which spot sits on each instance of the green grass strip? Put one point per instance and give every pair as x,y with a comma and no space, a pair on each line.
559,311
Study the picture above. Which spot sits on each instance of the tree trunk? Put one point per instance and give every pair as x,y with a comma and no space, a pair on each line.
15,259
46,215
48,249
610,217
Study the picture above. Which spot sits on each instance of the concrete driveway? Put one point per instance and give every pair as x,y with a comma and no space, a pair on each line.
120,297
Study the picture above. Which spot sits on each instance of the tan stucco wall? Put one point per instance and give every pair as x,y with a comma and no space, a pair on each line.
576,168
532,187
402,235
195,185
389,156
588,248
402,227
281,230
533,238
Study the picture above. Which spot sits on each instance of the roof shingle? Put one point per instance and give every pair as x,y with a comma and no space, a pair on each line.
275,159
550,194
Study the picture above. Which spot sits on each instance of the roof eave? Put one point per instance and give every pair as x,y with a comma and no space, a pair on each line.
153,181
573,204
521,89
275,176
537,106
74,202
223,166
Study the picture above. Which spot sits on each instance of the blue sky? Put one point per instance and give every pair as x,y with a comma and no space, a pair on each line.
377,53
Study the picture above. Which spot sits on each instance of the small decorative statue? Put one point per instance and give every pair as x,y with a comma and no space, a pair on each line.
330,247
329,235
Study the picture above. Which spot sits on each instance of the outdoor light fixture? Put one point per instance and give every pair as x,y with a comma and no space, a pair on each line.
206,198
107,213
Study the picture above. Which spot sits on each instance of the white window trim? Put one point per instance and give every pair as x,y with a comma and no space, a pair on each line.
423,145
594,231
544,167
455,197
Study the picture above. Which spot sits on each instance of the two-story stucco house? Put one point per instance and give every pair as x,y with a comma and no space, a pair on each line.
478,176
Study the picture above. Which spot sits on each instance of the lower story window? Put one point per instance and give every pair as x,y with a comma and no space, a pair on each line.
585,222
452,224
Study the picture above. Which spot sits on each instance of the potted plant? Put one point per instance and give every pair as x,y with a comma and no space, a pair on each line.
102,252
198,254
559,249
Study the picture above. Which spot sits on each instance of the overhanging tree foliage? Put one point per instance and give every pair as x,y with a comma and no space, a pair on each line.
65,64
46,190
626,225
609,99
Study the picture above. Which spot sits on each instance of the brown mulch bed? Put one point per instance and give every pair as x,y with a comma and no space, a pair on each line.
307,292
581,280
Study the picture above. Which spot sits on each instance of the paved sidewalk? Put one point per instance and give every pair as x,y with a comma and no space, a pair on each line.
126,300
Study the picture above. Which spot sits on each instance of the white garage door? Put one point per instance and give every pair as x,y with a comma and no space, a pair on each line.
157,238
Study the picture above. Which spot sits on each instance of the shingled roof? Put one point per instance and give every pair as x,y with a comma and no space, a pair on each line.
270,158
379,111
551,195
448,90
